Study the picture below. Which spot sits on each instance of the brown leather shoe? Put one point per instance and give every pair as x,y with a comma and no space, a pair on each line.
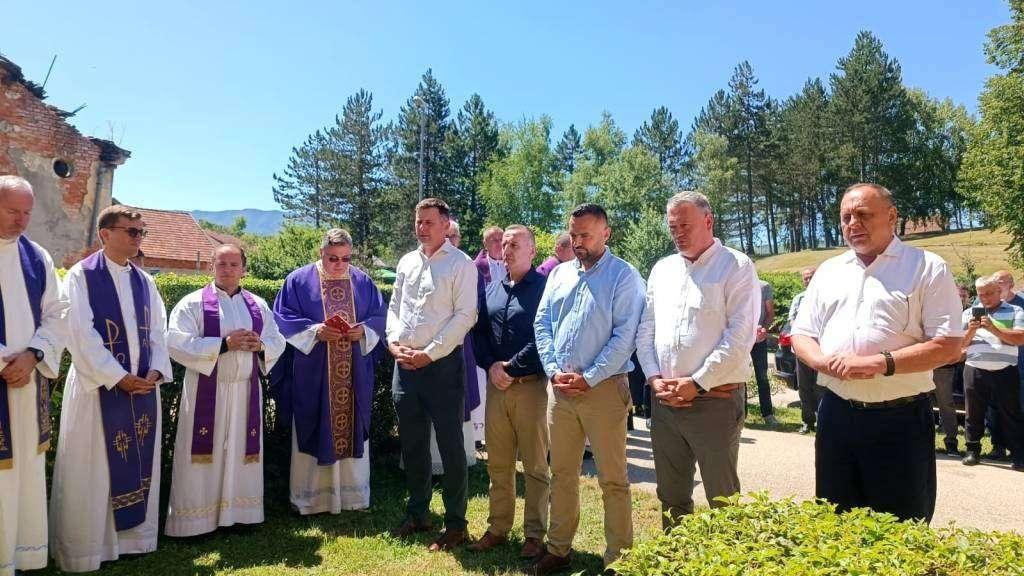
410,527
532,548
448,540
486,542
549,563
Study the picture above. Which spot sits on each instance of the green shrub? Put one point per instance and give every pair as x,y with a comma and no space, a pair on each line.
759,536
785,285
277,439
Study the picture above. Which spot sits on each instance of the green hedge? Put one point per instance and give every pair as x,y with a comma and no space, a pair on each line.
277,441
785,285
758,536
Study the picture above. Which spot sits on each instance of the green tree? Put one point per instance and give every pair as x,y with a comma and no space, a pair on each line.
274,257
643,241
662,137
568,150
716,174
306,189
520,186
993,165
471,143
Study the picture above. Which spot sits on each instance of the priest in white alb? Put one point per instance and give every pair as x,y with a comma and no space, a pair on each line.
106,478
225,337
32,337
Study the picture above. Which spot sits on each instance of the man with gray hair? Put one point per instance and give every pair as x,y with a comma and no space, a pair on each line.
694,343
563,253
32,338
333,317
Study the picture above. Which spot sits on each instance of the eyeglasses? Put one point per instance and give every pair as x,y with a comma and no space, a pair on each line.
133,232
336,259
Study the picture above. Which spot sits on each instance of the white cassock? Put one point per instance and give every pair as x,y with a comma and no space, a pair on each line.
23,538
82,530
344,485
227,490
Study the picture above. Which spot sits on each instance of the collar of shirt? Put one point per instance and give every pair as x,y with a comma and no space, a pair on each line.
530,276
115,267
893,250
443,250
704,257
7,241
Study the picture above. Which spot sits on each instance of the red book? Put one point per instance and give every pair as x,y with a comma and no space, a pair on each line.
339,323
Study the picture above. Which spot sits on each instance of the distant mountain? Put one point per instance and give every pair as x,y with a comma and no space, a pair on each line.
262,222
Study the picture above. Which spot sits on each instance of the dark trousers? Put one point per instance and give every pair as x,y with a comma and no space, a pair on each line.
810,393
943,377
999,389
759,355
434,395
639,391
881,458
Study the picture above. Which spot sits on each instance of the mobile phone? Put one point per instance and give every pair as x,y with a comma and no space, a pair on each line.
978,312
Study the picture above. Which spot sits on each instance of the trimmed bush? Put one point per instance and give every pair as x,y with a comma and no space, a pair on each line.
785,285
759,536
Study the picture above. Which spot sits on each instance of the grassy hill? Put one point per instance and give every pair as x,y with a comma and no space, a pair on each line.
985,248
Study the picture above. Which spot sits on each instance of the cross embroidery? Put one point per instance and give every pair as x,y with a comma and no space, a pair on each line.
121,442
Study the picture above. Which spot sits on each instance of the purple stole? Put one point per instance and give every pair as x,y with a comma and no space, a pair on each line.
128,419
33,269
206,391
337,298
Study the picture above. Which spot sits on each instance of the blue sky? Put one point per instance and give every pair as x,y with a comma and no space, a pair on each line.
210,97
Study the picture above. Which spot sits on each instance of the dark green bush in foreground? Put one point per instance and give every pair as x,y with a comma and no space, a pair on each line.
758,536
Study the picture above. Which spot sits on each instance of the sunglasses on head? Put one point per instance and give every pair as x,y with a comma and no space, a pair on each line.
336,259
133,232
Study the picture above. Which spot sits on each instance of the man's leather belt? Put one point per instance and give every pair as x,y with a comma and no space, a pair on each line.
894,403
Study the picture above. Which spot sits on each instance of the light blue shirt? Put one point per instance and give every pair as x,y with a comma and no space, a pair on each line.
586,320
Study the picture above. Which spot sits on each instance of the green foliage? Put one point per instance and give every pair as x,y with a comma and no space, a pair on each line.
274,257
785,285
545,245
661,136
758,536
644,241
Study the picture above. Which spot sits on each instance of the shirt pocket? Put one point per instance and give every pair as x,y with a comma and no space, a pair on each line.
891,311
702,303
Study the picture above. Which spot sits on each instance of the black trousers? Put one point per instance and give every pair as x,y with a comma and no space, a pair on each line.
434,394
759,356
1000,390
883,459
943,377
810,393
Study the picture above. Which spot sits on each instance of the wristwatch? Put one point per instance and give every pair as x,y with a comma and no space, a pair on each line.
890,364
37,353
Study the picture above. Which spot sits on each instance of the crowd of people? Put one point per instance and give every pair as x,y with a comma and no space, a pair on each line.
538,356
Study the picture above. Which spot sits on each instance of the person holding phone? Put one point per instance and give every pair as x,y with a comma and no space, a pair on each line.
333,316
994,331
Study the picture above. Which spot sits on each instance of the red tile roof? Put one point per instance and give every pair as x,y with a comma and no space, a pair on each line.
175,235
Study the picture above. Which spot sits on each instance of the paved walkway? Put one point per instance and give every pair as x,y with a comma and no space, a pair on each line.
988,496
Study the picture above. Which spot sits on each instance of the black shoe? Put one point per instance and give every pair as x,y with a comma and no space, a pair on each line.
587,454
997,453
806,429
971,459
1018,466
952,449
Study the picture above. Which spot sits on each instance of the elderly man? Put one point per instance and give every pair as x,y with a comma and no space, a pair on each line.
333,317
225,337
994,331
488,262
1008,293
32,338
517,401
563,253
806,378
585,330
874,323
432,308
694,343
106,479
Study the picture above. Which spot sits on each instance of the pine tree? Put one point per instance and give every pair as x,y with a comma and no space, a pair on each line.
306,189
663,138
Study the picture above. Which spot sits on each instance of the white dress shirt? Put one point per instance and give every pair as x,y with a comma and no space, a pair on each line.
906,296
434,303
701,317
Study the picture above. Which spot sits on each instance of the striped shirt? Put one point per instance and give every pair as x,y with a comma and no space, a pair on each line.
987,351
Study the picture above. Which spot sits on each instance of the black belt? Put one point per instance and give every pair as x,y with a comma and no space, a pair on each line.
895,403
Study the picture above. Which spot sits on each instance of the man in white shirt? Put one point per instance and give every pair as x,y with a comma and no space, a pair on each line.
489,264
32,337
694,343
225,337
433,306
106,477
874,323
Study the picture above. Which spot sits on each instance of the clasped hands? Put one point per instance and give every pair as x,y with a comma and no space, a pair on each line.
852,366
132,384
409,358
325,333
569,383
243,340
680,392
18,371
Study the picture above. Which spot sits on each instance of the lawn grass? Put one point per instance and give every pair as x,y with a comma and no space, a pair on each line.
986,249
358,542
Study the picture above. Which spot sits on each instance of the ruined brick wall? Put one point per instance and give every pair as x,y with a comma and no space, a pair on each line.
33,135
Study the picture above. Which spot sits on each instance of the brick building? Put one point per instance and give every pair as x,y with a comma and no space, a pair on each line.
72,174
176,243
